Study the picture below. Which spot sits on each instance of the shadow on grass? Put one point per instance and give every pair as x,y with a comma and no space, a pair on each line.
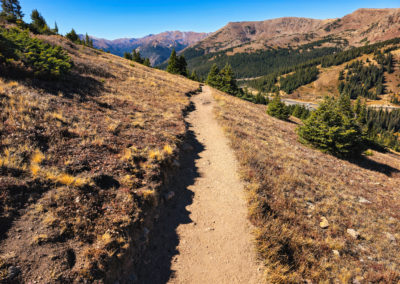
155,266
372,165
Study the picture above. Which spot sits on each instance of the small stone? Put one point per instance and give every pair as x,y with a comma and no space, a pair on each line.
310,205
209,229
77,199
324,223
363,200
336,252
353,233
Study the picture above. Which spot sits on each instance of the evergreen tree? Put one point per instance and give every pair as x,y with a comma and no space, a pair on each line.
146,62
173,64
194,76
331,130
297,111
38,24
137,57
278,109
11,10
344,105
214,77
182,66
55,30
128,55
228,80
72,36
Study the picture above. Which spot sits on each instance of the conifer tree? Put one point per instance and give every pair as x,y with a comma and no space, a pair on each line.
128,55
182,65
214,77
228,80
278,109
331,130
38,24
146,62
11,10
137,57
194,76
72,36
173,65
55,30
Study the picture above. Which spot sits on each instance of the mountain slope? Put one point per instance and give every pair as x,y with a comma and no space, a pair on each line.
156,47
256,43
82,161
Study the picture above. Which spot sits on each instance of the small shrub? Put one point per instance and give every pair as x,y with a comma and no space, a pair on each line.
45,60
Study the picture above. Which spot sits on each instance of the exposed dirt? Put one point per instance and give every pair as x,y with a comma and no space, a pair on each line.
205,236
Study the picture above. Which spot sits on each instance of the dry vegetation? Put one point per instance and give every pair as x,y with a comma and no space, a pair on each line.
81,164
306,204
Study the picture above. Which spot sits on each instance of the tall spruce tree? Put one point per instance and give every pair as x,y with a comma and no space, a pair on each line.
228,80
173,64
39,24
11,10
73,36
214,77
55,30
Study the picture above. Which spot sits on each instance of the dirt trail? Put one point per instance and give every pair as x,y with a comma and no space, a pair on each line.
212,242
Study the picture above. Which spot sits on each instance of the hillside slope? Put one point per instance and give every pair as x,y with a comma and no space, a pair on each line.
259,44
319,218
82,160
156,47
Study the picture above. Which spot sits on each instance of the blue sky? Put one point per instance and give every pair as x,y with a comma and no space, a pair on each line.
129,18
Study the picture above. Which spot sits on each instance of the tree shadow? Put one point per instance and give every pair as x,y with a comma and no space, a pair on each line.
372,165
155,265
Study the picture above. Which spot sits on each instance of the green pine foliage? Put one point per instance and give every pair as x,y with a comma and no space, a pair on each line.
177,64
278,109
11,11
299,78
38,24
333,129
223,80
44,60
362,80
73,36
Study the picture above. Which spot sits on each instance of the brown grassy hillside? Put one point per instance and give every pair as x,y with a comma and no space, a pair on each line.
81,164
319,219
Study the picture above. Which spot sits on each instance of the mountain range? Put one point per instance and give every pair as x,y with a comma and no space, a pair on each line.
156,47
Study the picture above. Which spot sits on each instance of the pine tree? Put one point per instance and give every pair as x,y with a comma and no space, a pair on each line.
278,109
228,80
173,65
214,77
38,24
182,66
194,76
11,10
297,111
72,36
128,55
331,130
55,30
146,62
87,40
344,105
137,57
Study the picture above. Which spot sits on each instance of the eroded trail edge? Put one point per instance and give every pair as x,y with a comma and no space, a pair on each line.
204,236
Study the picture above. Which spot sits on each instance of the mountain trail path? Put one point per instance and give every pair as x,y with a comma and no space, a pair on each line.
204,236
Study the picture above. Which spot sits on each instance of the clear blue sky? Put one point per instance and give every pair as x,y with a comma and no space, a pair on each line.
130,18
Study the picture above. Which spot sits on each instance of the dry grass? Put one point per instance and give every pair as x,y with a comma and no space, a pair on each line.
291,187
89,150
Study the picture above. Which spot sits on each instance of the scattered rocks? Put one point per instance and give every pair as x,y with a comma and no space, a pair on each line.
310,205
13,272
324,223
353,233
210,229
336,252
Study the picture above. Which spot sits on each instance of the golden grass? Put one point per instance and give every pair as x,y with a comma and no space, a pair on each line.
290,187
115,121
